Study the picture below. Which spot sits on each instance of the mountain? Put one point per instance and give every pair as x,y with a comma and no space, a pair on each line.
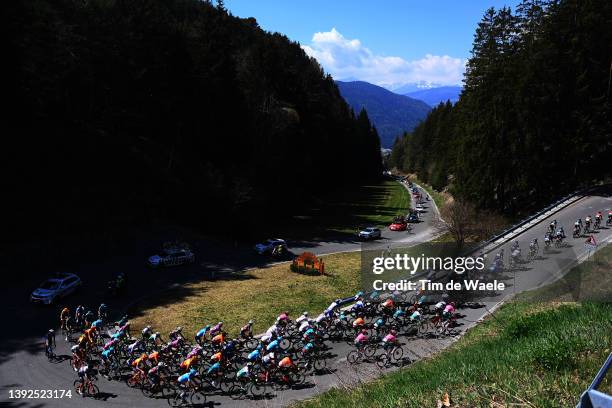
434,96
392,114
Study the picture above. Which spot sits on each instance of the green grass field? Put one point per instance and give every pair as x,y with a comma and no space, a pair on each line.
532,354
341,213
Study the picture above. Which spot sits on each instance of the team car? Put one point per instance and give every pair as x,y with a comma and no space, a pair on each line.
271,246
55,288
172,256
399,224
369,233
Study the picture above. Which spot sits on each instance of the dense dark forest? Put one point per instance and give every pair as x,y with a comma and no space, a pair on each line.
534,118
135,110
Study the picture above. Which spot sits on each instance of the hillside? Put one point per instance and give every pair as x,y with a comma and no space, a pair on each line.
434,96
172,110
543,94
392,114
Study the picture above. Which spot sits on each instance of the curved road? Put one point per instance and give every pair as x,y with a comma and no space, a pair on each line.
23,365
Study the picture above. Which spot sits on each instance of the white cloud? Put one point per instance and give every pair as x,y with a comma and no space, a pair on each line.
349,59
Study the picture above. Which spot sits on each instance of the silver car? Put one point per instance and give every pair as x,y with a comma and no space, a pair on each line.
55,288
172,257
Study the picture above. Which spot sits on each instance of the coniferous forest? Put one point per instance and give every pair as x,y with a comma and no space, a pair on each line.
166,109
534,119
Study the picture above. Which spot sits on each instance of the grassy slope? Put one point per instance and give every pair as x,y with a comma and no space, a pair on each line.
259,294
345,211
532,354
263,293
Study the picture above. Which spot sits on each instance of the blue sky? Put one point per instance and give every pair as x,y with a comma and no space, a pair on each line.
386,42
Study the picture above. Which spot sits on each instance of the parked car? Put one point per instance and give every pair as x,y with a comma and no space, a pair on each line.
270,246
171,257
369,233
55,288
398,226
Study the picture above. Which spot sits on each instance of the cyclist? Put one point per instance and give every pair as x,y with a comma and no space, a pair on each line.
87,372
359,322
609,217
560,234
139,364
154,357
416,315
285,363
244,371
305,325
189,363
390,339
218,339
247,329
102,311
156,339
282,318
186,380
78,355
254,355
216,329
389,304
303,317
547,239
553,226
146,332
64,314
201,334
78,315
449,310
154,373
333,305
176,333
361,339
50,342
268,359
89,318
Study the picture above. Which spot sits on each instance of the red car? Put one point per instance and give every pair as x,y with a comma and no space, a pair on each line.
398,226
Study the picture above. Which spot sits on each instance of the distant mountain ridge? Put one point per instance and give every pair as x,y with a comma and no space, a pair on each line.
392,114
433,96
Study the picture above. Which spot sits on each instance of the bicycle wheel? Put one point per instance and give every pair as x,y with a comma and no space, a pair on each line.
236,392
225,386
257,390
298,378
382,360
319,364
176,401
133,381
92,389
198,398
369,351
77,386
284,344
397,354
353,357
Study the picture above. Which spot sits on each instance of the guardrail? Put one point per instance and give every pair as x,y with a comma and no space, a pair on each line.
549,210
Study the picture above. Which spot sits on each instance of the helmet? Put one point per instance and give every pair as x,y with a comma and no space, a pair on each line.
157,334
452,304
305,313
178,328
51,331
250,321
393,332
364,331
161,364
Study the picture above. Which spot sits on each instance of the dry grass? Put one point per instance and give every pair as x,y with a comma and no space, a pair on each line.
259,294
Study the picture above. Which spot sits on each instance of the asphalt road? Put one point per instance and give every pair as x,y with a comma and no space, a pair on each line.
24,366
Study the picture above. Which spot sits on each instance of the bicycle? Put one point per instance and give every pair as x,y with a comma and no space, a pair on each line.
90,388
391,355
193,395
361,353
